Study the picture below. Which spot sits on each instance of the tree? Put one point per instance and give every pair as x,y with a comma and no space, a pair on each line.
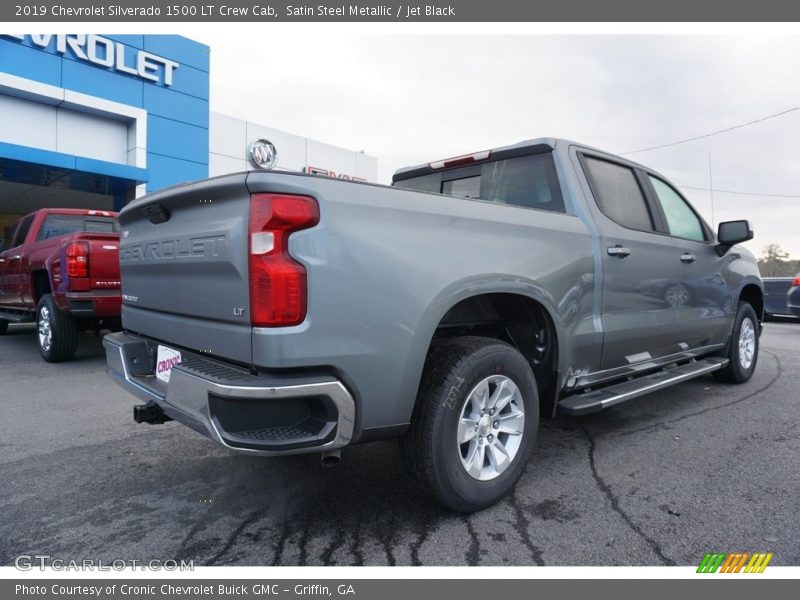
774,262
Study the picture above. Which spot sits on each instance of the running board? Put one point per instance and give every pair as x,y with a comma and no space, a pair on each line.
589,402
17,316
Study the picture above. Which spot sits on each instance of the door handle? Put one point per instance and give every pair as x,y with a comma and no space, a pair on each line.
688,258
619,251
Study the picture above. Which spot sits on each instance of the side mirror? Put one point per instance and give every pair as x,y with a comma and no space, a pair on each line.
731,233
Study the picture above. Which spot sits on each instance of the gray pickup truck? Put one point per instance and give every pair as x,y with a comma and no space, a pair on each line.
279,313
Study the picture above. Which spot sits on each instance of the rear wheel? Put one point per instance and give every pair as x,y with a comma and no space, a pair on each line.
3,327
475,422
742,348
57,331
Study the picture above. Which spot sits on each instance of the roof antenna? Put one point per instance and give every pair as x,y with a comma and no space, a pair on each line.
711,191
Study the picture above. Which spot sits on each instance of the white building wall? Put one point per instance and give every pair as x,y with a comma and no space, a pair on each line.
229,145
48,127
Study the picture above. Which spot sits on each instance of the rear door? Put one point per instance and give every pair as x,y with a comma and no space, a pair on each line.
707,305
642,292
775,291
5,257
12,266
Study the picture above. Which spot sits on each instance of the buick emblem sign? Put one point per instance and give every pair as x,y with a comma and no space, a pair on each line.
263,154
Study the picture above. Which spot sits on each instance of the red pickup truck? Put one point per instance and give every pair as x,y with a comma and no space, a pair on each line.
60,268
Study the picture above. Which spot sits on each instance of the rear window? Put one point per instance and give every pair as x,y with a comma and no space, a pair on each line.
56,225
526,181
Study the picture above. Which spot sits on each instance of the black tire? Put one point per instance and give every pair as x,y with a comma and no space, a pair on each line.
453,370
3,327
736,371
63,328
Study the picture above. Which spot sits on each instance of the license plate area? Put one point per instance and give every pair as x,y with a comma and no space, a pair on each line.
166,359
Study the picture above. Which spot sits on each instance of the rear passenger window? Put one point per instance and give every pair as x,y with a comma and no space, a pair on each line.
8,239
22,232
618,194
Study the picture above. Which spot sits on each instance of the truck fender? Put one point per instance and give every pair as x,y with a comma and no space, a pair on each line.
452,295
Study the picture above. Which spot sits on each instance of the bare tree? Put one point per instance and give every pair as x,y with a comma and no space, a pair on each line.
775,262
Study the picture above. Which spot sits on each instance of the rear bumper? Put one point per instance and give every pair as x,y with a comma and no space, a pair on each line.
251,414
94,304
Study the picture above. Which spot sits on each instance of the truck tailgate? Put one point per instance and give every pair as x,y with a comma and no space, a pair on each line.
103,259
183,256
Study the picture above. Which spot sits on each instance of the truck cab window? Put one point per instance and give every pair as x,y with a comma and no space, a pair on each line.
681,219
527,181
468,187
56,225
22,232
618,194
8,238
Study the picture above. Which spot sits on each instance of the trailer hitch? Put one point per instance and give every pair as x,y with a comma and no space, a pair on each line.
150,413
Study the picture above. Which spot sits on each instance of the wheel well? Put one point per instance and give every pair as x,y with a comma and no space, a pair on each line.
40,282
518,320
752,294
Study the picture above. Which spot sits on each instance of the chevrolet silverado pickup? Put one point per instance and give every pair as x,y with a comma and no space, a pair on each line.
60,269
279,313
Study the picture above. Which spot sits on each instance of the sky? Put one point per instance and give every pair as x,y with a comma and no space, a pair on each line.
410,99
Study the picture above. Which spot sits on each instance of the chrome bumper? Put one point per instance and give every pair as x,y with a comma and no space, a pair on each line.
251,414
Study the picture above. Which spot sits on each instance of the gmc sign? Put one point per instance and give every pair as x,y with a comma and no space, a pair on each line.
328,173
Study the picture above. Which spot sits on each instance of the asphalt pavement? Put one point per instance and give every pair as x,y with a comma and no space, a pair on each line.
659,480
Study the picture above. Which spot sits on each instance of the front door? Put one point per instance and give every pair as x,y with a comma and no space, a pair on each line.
705,313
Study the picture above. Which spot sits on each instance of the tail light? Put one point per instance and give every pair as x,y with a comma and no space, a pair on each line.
278,284
796,281
78,259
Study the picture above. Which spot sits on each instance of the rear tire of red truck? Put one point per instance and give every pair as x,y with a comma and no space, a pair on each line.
56,331
475,422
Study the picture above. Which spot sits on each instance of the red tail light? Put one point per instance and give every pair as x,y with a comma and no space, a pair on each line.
278,286
78,259
796,281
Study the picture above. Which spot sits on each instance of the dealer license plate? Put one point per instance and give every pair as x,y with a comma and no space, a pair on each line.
165,360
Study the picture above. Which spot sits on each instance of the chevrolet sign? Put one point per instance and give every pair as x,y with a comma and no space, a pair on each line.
104,52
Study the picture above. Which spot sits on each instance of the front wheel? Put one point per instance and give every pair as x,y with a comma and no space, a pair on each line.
57,331
3,327
475,422
742,347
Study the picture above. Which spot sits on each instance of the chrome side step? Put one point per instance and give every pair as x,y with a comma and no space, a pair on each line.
589,402
17,316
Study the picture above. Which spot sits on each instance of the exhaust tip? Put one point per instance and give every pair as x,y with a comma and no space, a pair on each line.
331,458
